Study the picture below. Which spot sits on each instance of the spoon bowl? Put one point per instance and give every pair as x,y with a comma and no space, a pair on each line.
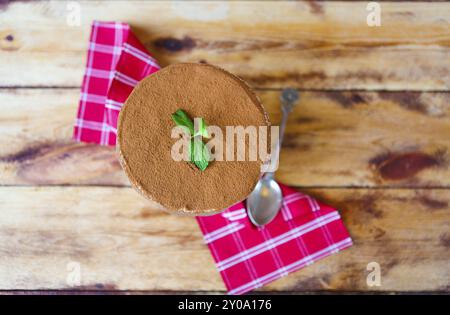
264,202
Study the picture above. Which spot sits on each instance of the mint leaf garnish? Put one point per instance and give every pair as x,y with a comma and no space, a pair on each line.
183,120
199,152
202,128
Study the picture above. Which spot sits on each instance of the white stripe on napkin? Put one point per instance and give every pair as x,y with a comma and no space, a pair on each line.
276,241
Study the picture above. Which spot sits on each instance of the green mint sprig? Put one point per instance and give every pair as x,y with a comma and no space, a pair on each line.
202,129
183,120
198,152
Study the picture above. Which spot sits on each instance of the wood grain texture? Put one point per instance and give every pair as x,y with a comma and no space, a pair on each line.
122,243
307,44
333,139
376,140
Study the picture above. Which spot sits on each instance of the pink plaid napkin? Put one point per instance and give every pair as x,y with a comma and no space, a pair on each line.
116,62
247,257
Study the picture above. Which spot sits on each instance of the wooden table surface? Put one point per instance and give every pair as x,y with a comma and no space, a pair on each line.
371,136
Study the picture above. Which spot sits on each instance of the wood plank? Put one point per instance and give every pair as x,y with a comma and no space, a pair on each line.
307,44
333,139
37,127
122,243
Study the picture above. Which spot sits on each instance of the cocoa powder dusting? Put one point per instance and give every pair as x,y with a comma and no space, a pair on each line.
144,137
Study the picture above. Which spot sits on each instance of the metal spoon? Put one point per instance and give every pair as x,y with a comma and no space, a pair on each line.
264,202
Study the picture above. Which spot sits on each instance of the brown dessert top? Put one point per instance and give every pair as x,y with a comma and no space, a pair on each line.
144,137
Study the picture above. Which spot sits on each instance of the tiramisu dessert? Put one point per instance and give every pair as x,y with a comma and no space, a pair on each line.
175,96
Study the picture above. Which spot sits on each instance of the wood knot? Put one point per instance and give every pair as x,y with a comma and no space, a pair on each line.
174,45
397,166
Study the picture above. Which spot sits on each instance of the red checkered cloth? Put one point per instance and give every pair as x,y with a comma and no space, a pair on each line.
116,62
247,257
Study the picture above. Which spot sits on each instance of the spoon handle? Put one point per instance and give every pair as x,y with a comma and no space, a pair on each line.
283,123
287,104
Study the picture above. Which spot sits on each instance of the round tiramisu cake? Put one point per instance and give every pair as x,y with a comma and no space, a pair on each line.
172,97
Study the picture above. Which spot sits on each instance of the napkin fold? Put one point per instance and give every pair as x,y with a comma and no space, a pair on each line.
246,256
